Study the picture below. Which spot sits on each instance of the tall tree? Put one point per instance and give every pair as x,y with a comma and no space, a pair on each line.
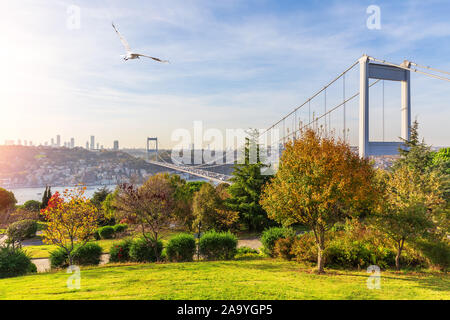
320,181
414,153
410,201
99,196
248,181
72,218
46,197
184,196
149,206
108,207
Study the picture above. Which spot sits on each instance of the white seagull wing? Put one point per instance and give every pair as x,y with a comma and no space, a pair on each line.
122,39
156,59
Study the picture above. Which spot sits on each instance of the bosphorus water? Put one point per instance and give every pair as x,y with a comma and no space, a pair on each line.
24,194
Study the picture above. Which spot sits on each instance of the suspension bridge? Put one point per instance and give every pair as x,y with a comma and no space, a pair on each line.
337,111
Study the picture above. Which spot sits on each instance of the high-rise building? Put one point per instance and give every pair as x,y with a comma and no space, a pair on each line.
98,145
87,145
92,142
58,140
52,142
116,144
72,143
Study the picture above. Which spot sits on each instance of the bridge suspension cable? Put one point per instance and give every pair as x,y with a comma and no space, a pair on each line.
334,108
312,97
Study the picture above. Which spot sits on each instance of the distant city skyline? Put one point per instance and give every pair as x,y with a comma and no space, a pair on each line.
234,64
68,144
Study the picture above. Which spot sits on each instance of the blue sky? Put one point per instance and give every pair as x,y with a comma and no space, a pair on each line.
234,64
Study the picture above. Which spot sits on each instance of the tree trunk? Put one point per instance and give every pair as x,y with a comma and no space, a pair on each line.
155,248
320,260
320,240
399,252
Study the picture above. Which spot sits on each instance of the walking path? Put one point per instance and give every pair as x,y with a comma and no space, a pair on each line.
43,264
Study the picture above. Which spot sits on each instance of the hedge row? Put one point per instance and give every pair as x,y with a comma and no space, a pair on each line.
181,248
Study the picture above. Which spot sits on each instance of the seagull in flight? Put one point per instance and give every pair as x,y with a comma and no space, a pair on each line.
130,54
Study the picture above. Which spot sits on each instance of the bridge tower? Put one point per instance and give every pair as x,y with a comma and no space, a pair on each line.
384,72
155,149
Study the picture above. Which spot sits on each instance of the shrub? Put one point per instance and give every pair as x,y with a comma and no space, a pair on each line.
21,230
181,248
120,252
246,250
304,248
89,254
106,232
142,250
341,253
96,235
14,262
246,253
271,235
59,258
355,248
218,245
437,252
283,248
121,227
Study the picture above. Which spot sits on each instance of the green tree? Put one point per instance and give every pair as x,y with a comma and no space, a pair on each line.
99,196
410,200
414,153
108,207
184,196
7,199
46,197
209,209
32,205
320,182
248,181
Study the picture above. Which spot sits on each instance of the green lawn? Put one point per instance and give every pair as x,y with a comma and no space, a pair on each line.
247,279
43,251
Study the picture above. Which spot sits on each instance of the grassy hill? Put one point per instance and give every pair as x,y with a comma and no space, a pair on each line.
249,279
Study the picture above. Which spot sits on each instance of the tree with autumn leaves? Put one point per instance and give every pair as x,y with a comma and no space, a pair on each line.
150,206
320,182
72,219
